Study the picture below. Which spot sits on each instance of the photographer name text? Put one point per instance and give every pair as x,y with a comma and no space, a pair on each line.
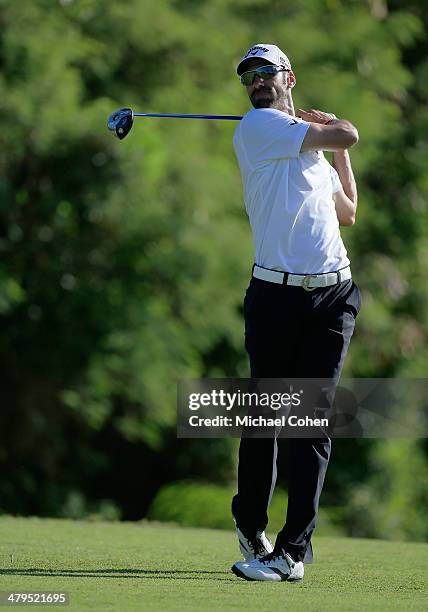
257,421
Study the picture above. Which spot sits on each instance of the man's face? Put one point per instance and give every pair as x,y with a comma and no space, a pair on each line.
266,93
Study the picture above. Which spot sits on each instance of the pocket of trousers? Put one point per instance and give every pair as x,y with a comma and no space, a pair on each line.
353,301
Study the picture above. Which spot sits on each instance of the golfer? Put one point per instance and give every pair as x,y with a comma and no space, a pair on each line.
301,304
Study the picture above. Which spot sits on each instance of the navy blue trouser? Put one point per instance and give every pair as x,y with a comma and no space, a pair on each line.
291,333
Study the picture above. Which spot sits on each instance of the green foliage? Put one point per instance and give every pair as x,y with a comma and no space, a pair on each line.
123,264
76,507
201,504
390,502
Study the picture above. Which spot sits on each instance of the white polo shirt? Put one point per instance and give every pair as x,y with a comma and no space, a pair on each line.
288,195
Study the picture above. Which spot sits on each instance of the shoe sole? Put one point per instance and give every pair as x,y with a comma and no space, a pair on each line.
240,574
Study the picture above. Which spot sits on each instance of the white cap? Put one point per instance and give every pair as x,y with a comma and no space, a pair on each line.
271,53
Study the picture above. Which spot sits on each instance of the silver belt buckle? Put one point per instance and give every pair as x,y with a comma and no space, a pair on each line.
307,280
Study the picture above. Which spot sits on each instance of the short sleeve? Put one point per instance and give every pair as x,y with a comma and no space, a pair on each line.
335,180
268,133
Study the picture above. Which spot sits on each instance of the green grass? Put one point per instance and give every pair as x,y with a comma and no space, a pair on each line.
150,566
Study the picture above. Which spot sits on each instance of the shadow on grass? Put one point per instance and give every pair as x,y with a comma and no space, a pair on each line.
121,573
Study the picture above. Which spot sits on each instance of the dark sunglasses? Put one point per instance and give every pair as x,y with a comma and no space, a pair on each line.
263,72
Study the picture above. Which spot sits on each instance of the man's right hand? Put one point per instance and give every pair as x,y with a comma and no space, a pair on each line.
325,133
315,116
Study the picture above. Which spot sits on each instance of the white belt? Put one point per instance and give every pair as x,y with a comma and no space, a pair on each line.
307,281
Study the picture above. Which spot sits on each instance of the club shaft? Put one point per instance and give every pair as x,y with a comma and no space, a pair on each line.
226,117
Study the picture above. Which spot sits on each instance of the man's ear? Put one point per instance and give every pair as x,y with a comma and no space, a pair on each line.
291,79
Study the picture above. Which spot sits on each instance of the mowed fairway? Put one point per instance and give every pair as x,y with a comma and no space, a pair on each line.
149,566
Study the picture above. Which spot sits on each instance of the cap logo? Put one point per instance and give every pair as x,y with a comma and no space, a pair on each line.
255,50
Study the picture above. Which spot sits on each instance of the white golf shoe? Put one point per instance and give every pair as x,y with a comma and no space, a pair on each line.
274,567
254,547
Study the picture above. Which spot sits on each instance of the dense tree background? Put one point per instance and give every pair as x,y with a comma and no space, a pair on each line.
123,264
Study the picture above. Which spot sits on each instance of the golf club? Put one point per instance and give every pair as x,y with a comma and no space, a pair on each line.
120,122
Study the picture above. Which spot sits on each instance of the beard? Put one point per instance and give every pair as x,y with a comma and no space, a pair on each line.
263,101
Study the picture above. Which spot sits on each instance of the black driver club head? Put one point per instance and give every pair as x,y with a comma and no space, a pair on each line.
120,122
